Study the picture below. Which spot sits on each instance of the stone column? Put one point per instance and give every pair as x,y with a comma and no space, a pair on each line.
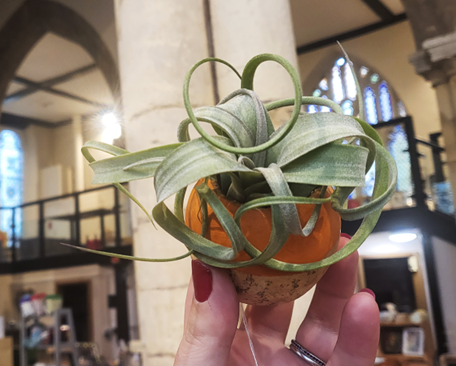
436,62
79,162
243,29
158,42
434,29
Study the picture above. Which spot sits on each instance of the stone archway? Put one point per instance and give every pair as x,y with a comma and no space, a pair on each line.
32,21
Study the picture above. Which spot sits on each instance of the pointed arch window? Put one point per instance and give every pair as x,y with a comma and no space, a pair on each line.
338,83
11,182
371,106
398,147
381,104
385,101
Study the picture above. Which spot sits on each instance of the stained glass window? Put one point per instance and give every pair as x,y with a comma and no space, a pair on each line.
323,108
363,71
385,102
371,106
316,93
336,83
381,103
340,62
401,109
368,189
312,109
350,84
398,148
323,84
347,107
11,175
375,78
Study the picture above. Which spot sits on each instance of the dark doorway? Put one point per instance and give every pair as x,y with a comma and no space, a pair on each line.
76,297
392,281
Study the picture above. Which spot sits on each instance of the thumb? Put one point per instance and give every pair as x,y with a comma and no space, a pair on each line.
212,318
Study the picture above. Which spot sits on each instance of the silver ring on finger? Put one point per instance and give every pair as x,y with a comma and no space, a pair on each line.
307,356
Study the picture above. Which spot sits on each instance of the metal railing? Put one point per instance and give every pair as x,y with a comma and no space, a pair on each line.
97,218
421,173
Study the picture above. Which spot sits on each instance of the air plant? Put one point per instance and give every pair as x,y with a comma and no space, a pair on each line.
267,202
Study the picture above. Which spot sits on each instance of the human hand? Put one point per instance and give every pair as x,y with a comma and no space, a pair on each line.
340,328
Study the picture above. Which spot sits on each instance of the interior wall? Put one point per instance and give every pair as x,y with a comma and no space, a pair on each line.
6,298
445,259
64,155
38,148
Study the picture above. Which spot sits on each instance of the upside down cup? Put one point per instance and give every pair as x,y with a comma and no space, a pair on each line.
261,285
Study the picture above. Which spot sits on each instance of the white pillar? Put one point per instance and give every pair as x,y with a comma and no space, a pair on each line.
79,161
243,29
446,97
436,62
158,42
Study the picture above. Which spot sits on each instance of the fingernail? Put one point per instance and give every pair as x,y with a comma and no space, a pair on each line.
202,280
343,235
368,291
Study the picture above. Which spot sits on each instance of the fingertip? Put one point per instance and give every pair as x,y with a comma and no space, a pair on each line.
360,328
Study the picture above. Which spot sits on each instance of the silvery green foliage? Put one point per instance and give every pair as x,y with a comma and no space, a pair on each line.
260,167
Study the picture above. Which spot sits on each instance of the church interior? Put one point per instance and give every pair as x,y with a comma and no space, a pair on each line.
113,70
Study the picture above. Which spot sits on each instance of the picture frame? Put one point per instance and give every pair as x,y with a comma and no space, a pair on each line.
391,340
413,341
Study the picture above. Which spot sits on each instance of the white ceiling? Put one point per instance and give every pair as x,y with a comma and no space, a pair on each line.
394,5
314,20
48,107
14,87
53,56
91,85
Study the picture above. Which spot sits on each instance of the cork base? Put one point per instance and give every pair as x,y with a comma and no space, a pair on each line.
263,290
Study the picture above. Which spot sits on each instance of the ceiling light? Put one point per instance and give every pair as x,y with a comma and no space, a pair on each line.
402,237
109,119
112,128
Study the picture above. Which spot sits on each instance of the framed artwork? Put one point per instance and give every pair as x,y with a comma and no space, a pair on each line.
391,340
413,341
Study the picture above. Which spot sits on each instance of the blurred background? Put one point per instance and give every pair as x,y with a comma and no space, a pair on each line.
112,70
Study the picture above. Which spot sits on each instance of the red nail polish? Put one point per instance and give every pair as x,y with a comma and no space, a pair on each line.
202,280
343,235
368,291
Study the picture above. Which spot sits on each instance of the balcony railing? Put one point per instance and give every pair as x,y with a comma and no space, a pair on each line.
422,177
97,218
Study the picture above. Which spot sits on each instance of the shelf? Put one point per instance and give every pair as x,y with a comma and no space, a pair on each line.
402,324
64,347
401,357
